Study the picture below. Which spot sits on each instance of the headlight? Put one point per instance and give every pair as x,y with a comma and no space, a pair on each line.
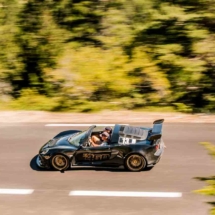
44,151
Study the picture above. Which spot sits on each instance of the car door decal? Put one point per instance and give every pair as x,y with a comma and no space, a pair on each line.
95,156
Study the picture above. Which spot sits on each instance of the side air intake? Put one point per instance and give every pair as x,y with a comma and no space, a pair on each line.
133,132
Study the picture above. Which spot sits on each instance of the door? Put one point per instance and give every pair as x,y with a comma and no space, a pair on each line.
93,155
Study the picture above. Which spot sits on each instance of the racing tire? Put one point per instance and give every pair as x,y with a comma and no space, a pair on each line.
135,163
60,162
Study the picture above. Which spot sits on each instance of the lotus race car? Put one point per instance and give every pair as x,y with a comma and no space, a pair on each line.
135,148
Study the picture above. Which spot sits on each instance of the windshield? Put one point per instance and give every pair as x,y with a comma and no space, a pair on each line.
78,138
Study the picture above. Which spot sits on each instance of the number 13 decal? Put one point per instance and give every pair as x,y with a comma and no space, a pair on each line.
126,141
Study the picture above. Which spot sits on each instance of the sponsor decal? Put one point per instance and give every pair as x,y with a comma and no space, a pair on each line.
95,157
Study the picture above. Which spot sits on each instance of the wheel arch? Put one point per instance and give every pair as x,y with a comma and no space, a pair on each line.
59,153
56,152
136,153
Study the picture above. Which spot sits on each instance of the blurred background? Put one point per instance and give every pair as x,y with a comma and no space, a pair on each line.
85,56
93,55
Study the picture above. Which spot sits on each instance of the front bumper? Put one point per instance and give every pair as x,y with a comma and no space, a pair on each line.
41,162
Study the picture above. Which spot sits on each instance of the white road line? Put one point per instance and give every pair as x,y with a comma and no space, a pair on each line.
79,124
16,191
125,194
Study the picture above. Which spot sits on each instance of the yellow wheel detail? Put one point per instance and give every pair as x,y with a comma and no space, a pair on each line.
135,163
60,162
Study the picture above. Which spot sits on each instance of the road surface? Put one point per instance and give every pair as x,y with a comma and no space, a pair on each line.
183,160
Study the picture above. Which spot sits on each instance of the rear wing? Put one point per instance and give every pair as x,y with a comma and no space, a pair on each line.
156,131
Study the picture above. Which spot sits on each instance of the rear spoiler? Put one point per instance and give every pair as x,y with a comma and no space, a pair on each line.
156,131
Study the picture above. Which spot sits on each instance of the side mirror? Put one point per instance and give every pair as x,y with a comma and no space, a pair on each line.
154,137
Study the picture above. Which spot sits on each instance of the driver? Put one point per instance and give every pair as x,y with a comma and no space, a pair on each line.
101,141
109,131
97,138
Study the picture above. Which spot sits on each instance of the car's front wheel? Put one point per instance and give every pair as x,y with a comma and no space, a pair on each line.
60,162
135,163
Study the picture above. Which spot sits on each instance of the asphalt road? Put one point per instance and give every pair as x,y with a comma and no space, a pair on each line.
183,160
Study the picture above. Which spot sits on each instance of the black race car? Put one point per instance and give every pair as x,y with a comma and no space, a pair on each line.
135,148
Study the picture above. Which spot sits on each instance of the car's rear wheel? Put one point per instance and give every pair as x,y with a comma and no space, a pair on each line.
60,162
135,163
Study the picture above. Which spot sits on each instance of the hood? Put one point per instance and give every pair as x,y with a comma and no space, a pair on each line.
55,142
62,141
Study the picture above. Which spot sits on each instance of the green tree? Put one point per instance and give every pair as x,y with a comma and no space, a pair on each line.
81,19
39,42
161,52
9,49
175,34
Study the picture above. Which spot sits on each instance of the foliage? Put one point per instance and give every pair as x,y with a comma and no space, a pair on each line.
210,188
31,100
135,54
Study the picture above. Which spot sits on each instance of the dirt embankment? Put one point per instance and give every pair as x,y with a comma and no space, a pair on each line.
102,117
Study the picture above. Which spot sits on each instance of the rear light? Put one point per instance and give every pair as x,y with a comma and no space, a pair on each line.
157,147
